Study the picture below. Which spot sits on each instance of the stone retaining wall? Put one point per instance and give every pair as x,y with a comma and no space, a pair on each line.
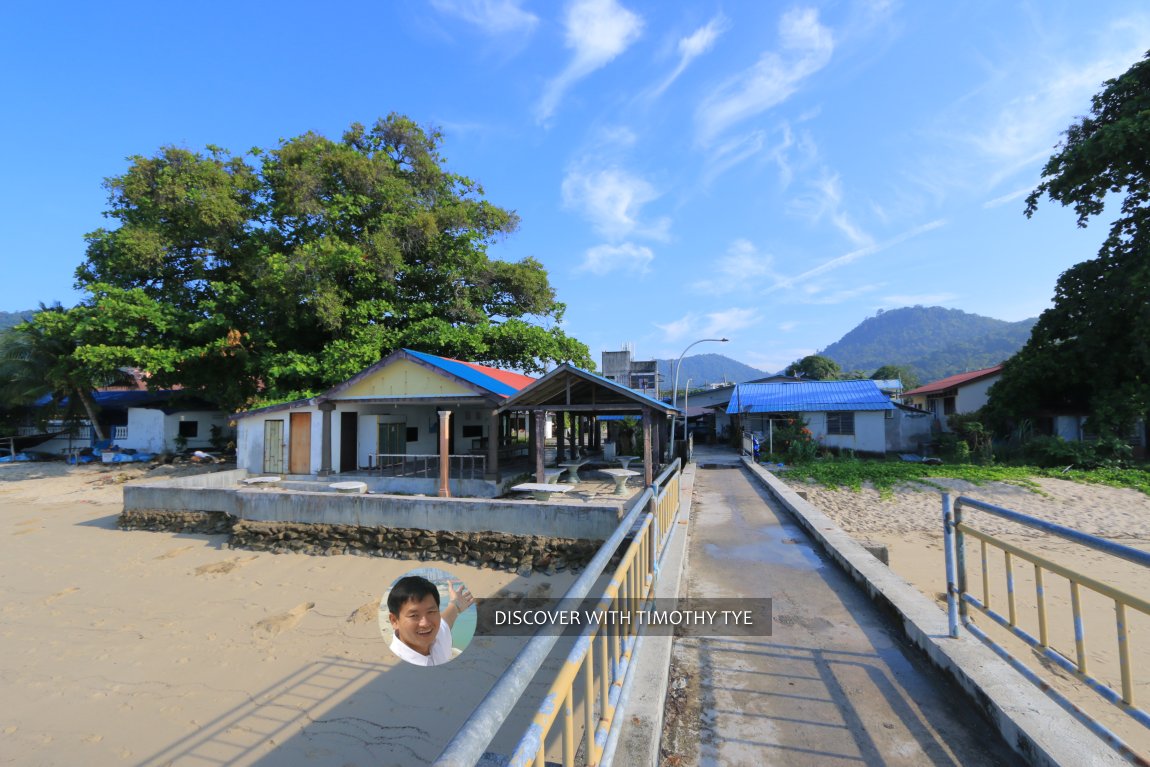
501,551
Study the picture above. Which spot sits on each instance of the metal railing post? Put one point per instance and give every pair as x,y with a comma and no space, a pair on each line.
951,580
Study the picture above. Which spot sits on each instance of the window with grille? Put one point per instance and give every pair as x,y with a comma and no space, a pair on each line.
841,424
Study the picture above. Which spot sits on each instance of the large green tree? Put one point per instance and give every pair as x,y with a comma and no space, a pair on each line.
902,372
282,272
816,368
1090,352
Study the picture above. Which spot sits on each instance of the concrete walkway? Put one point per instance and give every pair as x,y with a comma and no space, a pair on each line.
834,684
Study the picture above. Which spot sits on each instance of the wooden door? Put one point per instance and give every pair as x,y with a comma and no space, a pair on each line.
273,447
299,452
348,441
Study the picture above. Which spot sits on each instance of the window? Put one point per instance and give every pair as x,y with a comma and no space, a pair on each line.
189,429
471,431
948,406
412,433
841,424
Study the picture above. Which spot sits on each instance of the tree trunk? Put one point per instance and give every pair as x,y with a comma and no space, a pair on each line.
90,409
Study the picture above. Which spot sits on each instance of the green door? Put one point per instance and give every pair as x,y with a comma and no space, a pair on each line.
392,443
273,447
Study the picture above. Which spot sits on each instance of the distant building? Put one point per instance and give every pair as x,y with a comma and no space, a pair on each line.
962,393
640,375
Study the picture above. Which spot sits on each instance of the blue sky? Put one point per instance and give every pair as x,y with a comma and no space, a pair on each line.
771,172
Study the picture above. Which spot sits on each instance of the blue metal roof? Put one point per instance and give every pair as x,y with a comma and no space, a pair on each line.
808,396
470,373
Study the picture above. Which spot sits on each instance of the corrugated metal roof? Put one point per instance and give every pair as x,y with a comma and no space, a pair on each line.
808,396
568,384
951,382
501,382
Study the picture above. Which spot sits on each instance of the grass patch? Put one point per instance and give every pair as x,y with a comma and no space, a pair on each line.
884,476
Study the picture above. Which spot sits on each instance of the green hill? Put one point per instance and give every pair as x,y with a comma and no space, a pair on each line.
11,319
934,342
703,369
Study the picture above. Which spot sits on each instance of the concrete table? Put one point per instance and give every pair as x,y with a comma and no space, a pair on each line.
625,460
552,475
357,488
573,469
542,490
620,476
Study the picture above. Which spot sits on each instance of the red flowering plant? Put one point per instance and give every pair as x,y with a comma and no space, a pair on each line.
792,440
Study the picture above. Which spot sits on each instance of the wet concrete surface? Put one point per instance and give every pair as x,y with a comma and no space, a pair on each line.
834,683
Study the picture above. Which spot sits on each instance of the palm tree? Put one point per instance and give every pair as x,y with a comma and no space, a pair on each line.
37,358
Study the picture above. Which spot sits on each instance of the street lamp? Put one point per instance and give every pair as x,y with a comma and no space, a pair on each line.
675,386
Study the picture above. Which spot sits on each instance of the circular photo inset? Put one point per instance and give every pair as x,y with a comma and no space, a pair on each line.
427,617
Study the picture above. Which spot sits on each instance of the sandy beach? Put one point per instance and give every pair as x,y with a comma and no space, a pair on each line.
147,648
909,524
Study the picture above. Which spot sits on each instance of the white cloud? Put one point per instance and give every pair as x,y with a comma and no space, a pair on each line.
825,202
691,48
628,257
787,327
807,46
493,17
721,324
612,199
597,31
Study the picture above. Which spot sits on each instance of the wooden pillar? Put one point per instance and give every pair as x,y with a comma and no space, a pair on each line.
560,433
531,443
648,451
325,409
444,454
494,440
581,420
538,438
596,433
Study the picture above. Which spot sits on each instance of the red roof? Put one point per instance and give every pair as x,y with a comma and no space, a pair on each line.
515,380
954,381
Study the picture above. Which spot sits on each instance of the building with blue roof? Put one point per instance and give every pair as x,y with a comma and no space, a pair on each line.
855,415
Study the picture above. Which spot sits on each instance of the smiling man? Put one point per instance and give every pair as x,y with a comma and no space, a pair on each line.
422,631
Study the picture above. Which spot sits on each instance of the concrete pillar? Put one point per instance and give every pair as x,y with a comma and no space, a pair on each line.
325,409
538,432
596,433
531,434
444,454
494,440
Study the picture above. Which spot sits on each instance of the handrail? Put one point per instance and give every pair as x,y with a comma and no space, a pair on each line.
955,531
473,738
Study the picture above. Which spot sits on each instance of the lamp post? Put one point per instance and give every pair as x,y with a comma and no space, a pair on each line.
675,386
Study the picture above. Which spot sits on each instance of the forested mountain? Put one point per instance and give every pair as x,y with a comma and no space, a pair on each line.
705,368
934,342
10,319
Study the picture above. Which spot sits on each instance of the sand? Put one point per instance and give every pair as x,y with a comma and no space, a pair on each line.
909,524
121,647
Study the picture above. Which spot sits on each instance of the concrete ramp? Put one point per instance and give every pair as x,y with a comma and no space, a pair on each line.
835,683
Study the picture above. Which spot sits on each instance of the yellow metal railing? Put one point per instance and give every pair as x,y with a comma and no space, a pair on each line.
960,600
585,693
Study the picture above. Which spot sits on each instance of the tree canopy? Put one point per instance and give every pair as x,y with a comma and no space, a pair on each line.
815,367
1090,352
901,372
282,272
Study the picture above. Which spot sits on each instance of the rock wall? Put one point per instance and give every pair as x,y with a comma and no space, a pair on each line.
502,551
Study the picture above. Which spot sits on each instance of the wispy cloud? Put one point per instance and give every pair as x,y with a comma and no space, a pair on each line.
691,48
849,258
806,47
493,17
628,257
724,323
612,200
1017,194
825,201
920,299
597,31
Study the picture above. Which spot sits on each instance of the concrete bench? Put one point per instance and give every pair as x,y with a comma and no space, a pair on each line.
625,460
620,476
541,490
355,488
261,480
552,475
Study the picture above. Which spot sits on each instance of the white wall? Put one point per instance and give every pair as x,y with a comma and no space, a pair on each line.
145,430
203,439
869,436
972,396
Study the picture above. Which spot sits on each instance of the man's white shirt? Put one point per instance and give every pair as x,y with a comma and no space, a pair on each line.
440,650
